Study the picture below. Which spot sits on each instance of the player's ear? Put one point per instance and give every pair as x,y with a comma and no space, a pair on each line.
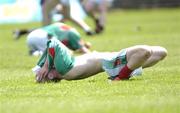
54,76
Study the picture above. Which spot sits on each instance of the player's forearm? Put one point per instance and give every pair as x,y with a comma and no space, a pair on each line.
84,50
45,66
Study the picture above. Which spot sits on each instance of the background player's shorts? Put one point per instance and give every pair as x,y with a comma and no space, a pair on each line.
37,40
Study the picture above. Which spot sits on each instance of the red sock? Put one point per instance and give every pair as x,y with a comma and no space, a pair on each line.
124,73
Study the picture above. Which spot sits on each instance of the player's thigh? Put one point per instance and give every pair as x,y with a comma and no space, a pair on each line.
85,66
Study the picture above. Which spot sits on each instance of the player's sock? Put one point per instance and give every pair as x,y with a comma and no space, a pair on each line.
99,28
18,33
88,30
124,73
23,31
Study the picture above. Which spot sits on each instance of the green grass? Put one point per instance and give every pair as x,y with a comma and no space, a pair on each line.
157,91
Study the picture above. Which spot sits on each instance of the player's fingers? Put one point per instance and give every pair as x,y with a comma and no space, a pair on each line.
41,76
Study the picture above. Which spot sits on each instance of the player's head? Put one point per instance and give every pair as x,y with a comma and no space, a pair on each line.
52,76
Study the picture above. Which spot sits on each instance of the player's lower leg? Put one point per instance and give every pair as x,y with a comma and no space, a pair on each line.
136,57
158,53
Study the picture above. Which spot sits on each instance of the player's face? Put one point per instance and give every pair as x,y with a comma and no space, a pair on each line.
54,76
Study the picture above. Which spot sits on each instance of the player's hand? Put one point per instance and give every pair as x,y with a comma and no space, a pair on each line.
42,74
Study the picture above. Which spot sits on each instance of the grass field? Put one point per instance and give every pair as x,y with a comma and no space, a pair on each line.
157,91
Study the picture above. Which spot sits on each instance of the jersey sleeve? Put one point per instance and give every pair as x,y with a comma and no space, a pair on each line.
50,55
42,59
74,41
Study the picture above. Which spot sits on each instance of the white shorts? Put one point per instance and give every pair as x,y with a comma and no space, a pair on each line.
113,65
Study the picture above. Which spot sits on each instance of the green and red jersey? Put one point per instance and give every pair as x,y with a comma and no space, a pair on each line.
58,57
66,34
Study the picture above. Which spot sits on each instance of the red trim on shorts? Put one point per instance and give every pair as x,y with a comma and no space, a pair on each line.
117,62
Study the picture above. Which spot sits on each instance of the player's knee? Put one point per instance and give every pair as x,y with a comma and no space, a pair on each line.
164,53
145,51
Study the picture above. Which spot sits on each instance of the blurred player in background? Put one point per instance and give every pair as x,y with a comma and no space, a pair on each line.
49,5
97,10
37,39
57,63
54,7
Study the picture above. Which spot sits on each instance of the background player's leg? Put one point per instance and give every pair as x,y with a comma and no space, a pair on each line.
47,7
